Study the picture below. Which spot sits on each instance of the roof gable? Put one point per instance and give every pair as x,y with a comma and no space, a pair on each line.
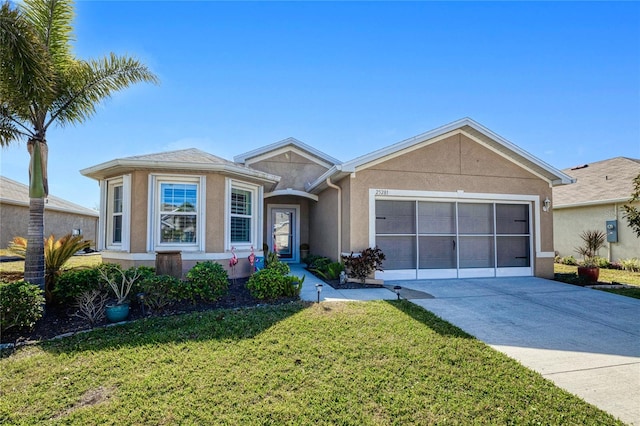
285,145
605,181
16,193
469,128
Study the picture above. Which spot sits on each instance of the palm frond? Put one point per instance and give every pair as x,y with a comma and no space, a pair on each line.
25,70
52,21
18,246
58,252
94,81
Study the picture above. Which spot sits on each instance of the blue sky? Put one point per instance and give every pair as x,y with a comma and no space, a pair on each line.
559,79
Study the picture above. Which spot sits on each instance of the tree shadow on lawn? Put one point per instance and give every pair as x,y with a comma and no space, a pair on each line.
429,319
221,324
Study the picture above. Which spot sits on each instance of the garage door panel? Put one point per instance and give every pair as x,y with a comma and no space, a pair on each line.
395,217
400,251
438,252
513,251
476,252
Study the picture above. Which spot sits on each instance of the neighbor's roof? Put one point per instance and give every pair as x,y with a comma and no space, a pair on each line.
472,129
16,193
186,159
257,154
602,182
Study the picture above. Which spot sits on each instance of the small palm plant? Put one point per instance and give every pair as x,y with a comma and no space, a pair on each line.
56,254
593,241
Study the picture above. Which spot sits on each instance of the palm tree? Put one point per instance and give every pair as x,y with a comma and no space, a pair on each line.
42,83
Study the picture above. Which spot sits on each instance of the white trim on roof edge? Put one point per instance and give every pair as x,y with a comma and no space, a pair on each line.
290,191
591,203
242,158
365,160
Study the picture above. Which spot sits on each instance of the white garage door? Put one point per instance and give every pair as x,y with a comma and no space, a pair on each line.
434,239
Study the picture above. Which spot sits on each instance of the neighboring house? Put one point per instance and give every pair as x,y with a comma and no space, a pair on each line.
458,201
593,202
61,217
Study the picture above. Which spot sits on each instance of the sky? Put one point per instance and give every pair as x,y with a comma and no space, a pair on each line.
559,79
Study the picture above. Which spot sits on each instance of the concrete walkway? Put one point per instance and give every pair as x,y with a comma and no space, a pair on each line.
585,341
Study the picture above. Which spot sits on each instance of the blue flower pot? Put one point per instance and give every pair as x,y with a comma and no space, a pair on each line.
117,313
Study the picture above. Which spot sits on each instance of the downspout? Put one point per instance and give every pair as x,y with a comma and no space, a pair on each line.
334,186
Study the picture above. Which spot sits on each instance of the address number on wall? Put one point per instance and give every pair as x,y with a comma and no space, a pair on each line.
382,192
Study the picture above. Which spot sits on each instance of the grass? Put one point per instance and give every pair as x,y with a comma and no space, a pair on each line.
75,262
606,275
629,292
342,363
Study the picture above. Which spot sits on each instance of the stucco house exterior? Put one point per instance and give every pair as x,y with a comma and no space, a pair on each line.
61,217
595,202
457,201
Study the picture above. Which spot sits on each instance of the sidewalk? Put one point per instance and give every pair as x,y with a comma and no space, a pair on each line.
329,294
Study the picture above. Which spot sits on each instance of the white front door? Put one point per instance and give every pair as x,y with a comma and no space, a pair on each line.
284,229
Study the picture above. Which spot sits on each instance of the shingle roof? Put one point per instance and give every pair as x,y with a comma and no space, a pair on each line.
12,192
186,159
604,181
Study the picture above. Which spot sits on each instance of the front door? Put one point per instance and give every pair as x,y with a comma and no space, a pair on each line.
284,226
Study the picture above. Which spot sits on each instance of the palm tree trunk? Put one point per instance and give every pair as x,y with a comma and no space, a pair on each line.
34,259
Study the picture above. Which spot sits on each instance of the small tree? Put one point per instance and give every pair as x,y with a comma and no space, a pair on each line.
631,213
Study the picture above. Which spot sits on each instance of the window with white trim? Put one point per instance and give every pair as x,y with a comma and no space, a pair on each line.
178,212
115,213
243,214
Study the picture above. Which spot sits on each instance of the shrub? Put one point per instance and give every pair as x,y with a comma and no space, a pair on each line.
631,265
601,262
293,286
207,280
71,284
161,290
361,266
91,306
275,263
268,284
569,260
330,271
56,254
20,305
310,259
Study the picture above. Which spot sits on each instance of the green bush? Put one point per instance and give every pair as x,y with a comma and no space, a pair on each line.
273,262
267,284
161,291
207,280
569,260
319,263
631,265
71,284
20,305
311,259
601,262
330,271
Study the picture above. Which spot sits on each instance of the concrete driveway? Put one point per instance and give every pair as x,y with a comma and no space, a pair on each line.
585,341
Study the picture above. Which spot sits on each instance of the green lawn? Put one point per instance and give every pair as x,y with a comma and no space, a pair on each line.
340,363
606,275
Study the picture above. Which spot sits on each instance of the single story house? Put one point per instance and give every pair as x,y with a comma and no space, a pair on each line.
457,201
61,217
595,202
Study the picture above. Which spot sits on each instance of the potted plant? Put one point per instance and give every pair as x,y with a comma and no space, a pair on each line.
304,251
592,242
120,284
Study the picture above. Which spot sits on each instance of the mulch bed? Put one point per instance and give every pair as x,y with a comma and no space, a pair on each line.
59,320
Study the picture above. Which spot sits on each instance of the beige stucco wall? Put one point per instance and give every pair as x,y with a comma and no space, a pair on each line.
295,171
569,223
455,163
14,220
323,224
